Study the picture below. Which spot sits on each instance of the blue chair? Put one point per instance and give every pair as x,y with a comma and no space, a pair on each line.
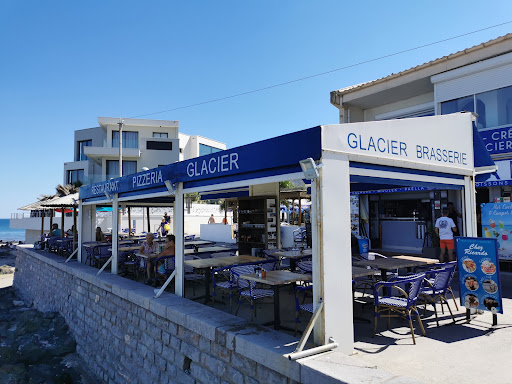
435,288
101,254
248,289
304,307
430,267
227,285
399,306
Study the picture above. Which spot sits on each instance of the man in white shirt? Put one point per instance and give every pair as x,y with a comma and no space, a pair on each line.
444,229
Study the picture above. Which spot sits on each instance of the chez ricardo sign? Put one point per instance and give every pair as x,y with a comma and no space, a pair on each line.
280,152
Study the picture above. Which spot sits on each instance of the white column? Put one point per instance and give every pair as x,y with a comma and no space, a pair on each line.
316,230
79,230
115,232
335,251
179,232
469,207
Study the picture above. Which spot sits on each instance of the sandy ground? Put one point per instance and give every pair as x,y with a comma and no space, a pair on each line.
7,260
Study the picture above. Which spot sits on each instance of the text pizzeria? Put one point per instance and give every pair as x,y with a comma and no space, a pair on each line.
147,178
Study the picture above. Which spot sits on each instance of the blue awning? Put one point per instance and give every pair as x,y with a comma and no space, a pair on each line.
482,157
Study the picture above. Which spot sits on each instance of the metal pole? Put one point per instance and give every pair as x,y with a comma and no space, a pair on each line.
121,122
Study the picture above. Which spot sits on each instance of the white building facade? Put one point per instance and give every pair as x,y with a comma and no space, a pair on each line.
477,79
145,143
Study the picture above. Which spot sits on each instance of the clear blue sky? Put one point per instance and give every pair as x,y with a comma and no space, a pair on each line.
64,63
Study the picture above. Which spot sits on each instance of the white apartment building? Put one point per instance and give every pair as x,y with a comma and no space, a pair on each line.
477,79
145,143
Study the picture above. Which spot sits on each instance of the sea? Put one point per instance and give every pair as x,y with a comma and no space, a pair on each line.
10,234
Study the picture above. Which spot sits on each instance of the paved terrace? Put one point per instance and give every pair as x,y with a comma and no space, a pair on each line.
452,353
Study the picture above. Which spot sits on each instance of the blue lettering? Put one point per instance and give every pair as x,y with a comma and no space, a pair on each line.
371,143
352,144
419,154
403,147
378,144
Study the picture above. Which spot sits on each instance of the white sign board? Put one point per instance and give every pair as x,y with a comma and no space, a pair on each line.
442,143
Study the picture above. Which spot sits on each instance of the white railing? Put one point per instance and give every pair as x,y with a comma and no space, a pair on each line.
15,216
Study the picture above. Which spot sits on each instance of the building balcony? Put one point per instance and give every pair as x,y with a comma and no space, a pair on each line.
97,154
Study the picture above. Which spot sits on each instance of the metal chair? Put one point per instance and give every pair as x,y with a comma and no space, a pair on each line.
299,237
424,268
435,288
399,306
247,289
304,307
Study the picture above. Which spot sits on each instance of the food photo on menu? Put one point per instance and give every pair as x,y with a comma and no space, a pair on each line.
488,267
490,302
490,286
469,265
471,301
471,283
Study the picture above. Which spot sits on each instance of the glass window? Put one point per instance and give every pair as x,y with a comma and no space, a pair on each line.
129,167
162,135
81,144
206,149
458,105
130,139
75,175
494,108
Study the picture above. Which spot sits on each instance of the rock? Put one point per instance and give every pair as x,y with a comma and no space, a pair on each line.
32,353
13,373
18,303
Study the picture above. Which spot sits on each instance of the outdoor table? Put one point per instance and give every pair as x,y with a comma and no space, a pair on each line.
126,248
361,272
390,263
276,279
218,262
294,255
207,250
195,243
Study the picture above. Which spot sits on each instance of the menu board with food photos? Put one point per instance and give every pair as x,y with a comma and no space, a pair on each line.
479,273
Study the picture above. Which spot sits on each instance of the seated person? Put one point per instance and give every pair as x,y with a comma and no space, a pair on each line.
169,250
69,232
55,231
149,248
100,236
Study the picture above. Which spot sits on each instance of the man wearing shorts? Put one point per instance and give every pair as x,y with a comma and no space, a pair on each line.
444,229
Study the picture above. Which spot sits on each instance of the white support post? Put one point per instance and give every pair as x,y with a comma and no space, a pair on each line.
335,251
115,233
316,230
179,232
79,229
469,207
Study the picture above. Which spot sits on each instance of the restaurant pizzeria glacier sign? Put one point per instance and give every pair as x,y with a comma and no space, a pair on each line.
442,141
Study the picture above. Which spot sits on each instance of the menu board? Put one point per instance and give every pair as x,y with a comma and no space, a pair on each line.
497,223
479,273
354,215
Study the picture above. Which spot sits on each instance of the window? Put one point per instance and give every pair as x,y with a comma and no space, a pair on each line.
75,175
80,153
162,135
130,139
494,108
129,167
159,145
206,149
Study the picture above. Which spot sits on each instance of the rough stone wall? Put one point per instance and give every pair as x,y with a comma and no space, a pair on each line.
127,336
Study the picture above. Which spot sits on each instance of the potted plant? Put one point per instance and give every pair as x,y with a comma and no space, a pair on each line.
431,244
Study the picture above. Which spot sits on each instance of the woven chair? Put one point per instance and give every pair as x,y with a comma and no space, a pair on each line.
435,288
304,307
227,285
299,237
191,275
424,268
101,254
399,306
248,289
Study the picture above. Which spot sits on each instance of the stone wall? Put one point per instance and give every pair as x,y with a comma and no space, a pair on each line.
127,336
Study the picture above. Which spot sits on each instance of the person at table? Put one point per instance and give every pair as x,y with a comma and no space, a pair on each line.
100,236
69,232
55,231
211,220
169,250
445,227
148,248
